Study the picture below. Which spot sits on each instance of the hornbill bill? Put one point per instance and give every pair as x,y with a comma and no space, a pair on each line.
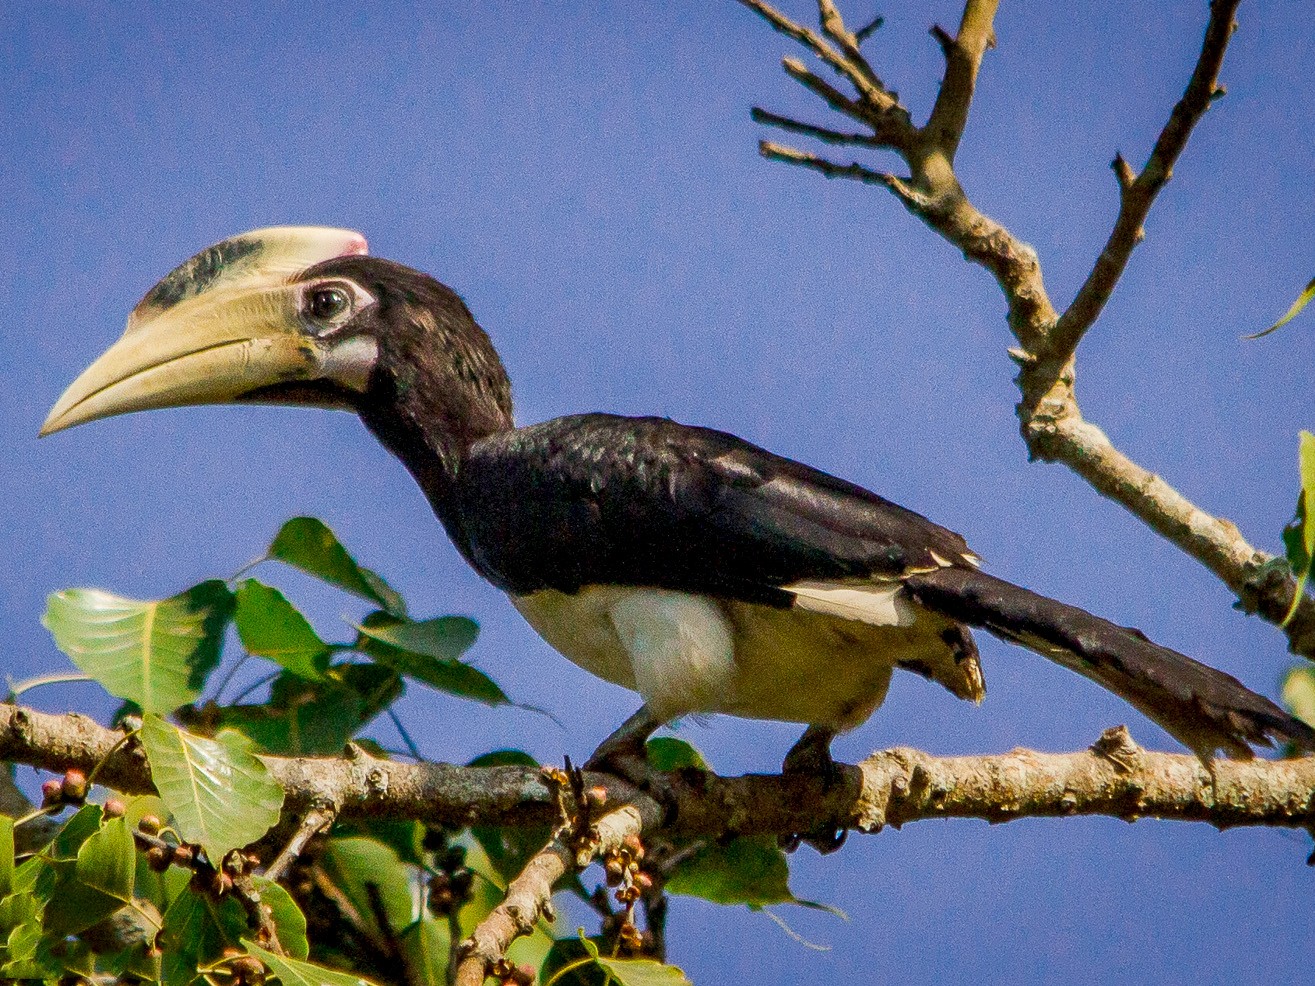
705,573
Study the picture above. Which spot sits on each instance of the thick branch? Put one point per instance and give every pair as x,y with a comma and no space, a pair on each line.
888,787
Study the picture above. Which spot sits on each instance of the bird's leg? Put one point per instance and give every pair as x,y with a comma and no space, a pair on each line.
623,753
811,757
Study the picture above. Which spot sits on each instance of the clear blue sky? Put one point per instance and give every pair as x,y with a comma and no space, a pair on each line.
586,176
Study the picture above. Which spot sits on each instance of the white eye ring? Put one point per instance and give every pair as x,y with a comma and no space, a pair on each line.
328,305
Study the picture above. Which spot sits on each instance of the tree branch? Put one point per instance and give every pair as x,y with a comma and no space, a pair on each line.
1050,417
889,787
963,59
855,68
529,895
1137,197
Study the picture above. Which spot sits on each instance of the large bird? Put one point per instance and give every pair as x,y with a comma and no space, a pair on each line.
701,571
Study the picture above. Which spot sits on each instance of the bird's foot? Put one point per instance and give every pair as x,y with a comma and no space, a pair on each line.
811,757
624,754
625,757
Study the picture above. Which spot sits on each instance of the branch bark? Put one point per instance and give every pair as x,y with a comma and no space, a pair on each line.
1050,417
890,787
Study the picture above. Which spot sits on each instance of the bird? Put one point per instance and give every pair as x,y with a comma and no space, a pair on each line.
686,564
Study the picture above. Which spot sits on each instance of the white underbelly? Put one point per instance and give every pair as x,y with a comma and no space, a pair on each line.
689,654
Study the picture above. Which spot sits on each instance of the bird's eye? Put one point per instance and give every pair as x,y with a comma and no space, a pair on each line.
327,304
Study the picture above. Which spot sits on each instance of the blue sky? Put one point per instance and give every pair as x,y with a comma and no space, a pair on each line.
586,176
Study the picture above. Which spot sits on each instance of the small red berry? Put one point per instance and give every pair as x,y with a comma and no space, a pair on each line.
75,785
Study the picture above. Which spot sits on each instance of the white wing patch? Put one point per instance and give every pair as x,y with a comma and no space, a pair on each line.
875,603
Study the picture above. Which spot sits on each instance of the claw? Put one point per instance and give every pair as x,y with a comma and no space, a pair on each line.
811,757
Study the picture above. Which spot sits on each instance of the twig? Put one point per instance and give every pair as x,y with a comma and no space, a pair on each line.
406,736
1138,196
529,895
870,90
313,822
770,119
833,25
855,171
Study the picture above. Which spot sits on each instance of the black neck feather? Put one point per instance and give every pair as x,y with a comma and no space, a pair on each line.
439,385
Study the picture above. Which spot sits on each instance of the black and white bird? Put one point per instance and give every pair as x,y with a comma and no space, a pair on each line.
701,571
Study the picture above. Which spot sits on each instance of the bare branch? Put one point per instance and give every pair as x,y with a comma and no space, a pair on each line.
789,155
1050,417
963,59
312,823
869,29
836,137
833,25
819,87
529,895
1138,198
869,87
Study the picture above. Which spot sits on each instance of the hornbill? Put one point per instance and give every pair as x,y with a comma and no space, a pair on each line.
701,571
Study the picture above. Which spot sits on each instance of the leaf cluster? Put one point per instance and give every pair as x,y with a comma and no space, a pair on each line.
169,888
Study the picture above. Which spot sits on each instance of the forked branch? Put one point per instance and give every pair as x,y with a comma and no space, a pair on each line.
1050,417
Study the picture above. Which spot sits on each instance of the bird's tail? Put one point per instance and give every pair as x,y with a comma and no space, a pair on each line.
1204,709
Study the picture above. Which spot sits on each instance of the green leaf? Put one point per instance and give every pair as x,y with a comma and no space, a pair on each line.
308,544
1299,693
668,753
301,718
136,962
155,653
304,718
6,856
749,870
81,826
355,864
1302,301
444,638
73,906
425,948
1299,535
292,972
107,861
404,837
426,650
569,952
98,883
270,626
20,946
218,793
197,929
636,972
288,919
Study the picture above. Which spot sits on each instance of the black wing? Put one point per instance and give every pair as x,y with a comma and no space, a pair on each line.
602,499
